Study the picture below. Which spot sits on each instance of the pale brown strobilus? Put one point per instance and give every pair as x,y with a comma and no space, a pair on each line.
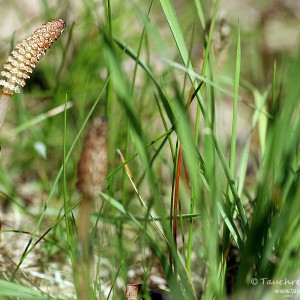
24,58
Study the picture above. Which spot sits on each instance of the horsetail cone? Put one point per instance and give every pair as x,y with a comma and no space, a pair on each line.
92,166
24,58
27,54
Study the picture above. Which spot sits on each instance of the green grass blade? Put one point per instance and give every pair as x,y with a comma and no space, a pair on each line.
274,88
176,30
200,13
10,289
70,240
235,104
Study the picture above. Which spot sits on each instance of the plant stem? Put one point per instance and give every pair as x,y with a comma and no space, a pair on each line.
4,102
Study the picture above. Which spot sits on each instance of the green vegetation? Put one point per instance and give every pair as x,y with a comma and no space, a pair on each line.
207,122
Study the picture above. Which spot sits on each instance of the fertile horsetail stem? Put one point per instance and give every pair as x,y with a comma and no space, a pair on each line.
23,60
91,174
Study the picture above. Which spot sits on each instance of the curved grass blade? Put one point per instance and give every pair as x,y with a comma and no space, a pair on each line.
11,289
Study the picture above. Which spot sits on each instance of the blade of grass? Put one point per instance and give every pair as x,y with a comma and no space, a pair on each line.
10,289
139,52
235,104
200,13
242,169
274,89
65,193
36,120
262,121
112,218
226,237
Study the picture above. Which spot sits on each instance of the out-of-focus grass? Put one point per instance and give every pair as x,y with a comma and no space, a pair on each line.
138,64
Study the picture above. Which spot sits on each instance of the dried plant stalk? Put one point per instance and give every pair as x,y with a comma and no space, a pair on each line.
91,174
23,60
